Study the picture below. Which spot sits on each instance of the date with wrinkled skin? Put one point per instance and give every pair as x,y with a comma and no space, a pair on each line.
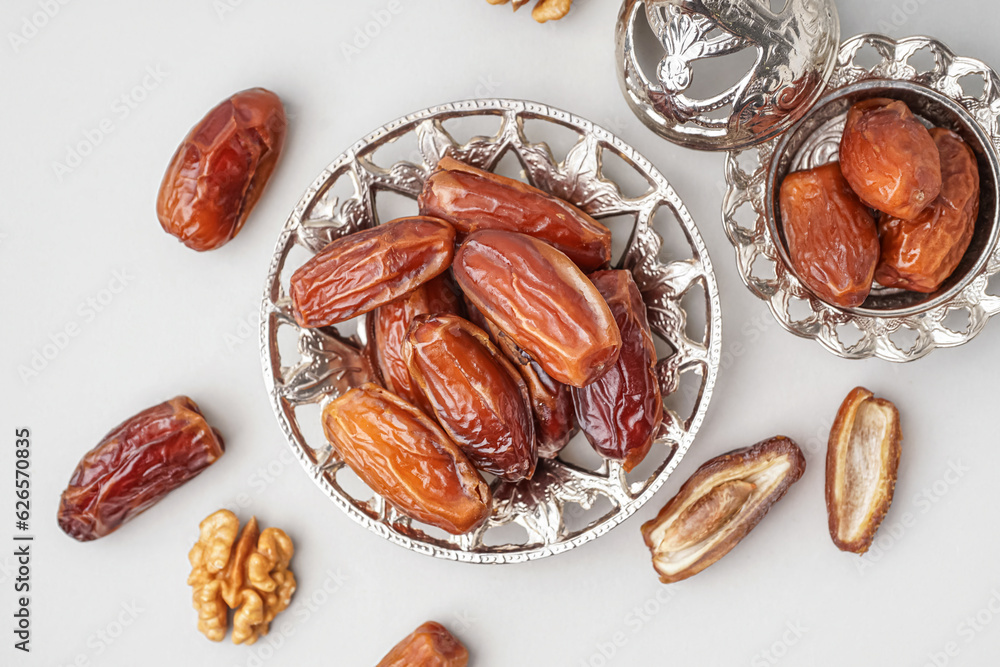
832,238
135,465
551,401
403,456
359,272
220,169
430,645
472,199
621,411
719,504
537,296
921,253
889,158
477,395
862,459
387,326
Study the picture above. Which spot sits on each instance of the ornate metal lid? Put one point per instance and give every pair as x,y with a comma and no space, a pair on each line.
796,50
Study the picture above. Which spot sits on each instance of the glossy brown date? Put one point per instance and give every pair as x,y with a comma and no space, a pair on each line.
921,253
403,456
387,327
539,298
359,272
718,505
621,410
430,645
889,158
832,238
477,395
220,169
135,465
862,459
472,199
551,401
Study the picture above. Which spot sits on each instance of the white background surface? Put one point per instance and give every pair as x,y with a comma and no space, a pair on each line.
186,323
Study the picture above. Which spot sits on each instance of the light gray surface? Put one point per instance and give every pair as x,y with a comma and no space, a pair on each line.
186,323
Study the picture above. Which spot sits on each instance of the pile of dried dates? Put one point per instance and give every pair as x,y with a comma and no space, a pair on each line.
899,209
495,330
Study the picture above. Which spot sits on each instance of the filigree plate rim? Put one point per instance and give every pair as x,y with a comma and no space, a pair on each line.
661,189
747,188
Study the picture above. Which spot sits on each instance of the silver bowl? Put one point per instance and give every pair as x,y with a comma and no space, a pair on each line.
576,497
892,324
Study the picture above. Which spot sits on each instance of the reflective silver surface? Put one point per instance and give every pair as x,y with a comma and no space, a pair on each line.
795,54
572,499
895,325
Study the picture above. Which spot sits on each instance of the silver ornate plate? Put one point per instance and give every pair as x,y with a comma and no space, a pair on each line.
894,325
578,496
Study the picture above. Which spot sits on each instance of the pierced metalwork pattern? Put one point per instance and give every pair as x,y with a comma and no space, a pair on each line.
327,363
795,51
908,333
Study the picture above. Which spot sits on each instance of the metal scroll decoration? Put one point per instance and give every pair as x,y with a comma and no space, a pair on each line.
553,509
901,334
795,49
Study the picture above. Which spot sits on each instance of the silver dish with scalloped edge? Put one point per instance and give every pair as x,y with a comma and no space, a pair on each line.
576,497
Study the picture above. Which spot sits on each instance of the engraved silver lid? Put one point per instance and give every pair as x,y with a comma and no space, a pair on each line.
796,51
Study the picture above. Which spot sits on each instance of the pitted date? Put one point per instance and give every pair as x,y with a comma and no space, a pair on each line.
387,327
889,158
539,298
719,504
220,169
362,271
832,239
403,456
477,395
921,253
135,465
430,645
621,411
472,199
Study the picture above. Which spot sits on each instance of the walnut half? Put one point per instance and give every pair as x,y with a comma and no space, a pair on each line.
545,10
248,573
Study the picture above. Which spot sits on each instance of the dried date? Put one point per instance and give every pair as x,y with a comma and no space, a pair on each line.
889,158
832,239
621,410
387,327
402,455
539,298
921,253
477,395
862,459
718,505
135,465
220,169
472,199
362,271
430,645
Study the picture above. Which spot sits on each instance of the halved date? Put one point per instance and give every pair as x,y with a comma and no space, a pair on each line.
407,459
220,169
539,298
921,253
430,645
362,271
721,502
135,465
472,199
477,395
387,326
862,458
621,410
889,158
832,238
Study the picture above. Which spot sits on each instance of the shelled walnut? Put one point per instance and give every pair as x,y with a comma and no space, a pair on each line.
545,10
248,574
